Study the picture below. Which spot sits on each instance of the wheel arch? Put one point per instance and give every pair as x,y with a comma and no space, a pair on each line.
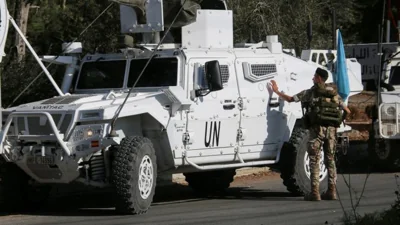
146,125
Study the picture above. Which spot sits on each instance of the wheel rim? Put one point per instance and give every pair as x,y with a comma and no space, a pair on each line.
382,149
146,177
323,172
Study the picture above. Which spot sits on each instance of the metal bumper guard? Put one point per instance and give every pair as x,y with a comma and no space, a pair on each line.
57,136
393,127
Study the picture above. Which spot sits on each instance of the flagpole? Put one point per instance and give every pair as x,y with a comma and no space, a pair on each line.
380,62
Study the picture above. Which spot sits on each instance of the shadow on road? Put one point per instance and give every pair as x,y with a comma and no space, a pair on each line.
100,203
254,194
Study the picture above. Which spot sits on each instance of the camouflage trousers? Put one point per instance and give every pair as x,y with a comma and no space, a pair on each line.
322,137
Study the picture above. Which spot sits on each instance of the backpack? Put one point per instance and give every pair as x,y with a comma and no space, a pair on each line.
324,108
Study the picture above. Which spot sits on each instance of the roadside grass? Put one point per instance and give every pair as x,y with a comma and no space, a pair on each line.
390,216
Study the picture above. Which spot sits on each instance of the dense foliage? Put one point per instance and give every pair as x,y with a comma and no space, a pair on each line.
52,22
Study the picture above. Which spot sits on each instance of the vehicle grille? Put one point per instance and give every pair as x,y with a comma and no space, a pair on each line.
39,125
65,99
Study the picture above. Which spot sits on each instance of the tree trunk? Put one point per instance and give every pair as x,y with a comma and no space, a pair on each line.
22,15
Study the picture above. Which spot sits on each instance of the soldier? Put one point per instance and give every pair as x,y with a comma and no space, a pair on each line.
323,115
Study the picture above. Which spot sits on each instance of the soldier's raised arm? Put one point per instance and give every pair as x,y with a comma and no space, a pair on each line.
295,98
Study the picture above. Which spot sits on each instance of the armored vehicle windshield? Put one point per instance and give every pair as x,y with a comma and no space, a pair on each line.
110,74
102,74
160,72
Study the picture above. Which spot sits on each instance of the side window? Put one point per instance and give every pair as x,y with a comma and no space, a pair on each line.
314,57
322,60
395,75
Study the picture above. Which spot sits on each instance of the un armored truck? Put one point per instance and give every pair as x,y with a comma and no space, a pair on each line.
385,133
376,121
200,106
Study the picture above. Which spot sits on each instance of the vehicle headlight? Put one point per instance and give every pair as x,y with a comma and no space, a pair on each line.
391,111
87,132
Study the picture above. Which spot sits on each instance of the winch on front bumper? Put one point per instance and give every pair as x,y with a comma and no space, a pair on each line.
49,146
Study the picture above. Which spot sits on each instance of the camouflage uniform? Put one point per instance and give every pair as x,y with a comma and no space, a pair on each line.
325,137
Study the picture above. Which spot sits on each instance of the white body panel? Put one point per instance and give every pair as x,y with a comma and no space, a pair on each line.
213,29
263,125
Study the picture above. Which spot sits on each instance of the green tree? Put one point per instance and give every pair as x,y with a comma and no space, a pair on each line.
288,19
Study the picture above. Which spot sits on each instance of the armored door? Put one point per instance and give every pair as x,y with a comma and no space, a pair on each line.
213,119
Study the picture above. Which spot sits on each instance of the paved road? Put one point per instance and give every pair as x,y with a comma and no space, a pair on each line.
257,200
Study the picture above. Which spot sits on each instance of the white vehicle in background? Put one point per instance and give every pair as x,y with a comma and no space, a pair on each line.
385,134
201,107
380,101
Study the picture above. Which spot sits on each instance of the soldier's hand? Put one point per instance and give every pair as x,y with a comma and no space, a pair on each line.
274,86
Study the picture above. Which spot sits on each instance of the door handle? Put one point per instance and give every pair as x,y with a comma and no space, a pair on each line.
274,105
229,107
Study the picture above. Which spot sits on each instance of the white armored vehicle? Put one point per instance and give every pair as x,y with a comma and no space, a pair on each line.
201,106
384,137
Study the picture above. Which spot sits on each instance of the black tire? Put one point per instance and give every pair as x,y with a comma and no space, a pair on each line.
210,182
292,162
385,161
125,175
16,194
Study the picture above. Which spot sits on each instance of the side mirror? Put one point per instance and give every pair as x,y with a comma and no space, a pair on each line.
213,74
213,77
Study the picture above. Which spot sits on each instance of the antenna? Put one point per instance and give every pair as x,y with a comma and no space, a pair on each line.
380,39
380,62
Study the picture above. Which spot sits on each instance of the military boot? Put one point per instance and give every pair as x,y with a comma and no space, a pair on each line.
330,194
314,195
